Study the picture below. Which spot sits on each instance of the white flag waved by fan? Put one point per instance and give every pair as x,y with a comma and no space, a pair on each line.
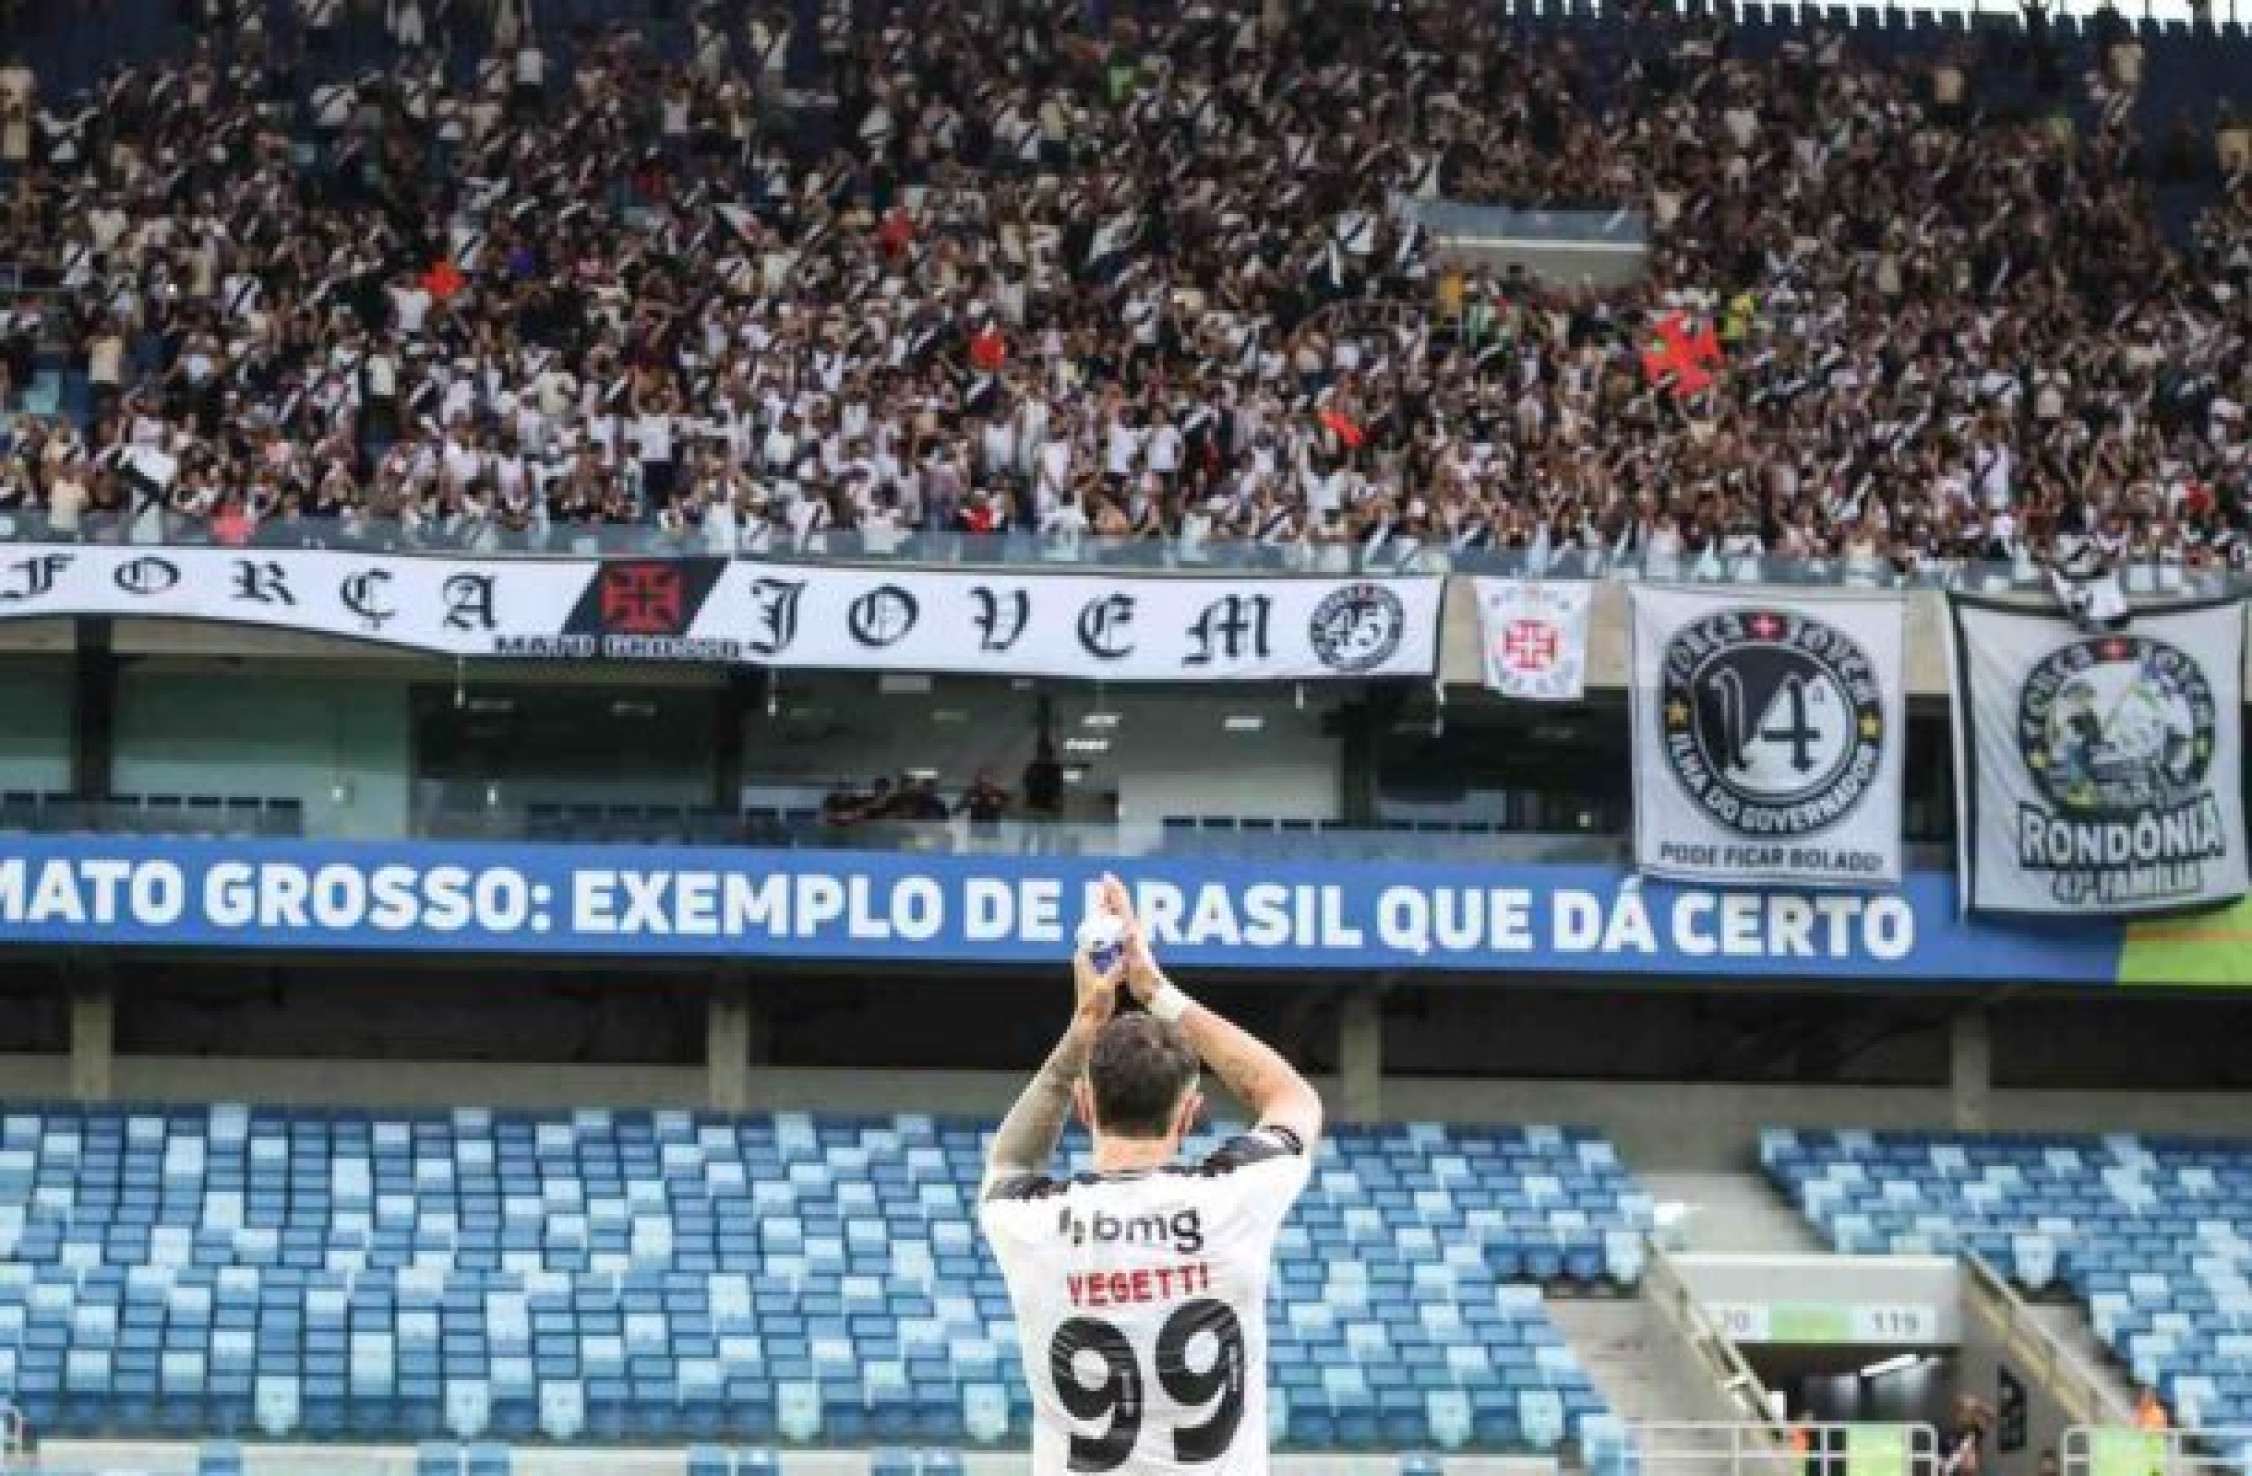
1534,634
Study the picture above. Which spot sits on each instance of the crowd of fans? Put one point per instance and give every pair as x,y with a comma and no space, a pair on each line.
1134,284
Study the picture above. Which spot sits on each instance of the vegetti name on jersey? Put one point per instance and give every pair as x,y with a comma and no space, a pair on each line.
1141,1304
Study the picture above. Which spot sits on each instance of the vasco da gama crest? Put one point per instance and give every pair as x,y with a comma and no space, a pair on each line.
1773,720
2118,734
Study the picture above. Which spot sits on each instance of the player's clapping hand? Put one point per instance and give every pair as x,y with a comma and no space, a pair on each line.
1142,973
1097,990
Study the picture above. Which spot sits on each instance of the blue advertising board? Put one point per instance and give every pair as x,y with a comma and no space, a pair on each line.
812,905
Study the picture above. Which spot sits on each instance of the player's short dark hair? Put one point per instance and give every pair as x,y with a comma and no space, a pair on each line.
1139,1070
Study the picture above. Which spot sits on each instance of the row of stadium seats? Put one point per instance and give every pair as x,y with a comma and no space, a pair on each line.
675,823
673,1276
2153,1234
1528,814
769,825
154,814
1261,825
487,1458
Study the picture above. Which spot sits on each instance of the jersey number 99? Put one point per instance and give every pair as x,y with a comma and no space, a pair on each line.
1118,1396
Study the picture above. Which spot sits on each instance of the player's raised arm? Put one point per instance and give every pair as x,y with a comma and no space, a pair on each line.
1028,1136
1255,1071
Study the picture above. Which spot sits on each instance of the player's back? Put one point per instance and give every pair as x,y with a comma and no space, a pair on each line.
1141,1303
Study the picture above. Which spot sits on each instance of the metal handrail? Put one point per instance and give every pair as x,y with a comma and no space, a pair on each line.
2197,1451
1735,1377
1823,1448
2144,581
2086,1395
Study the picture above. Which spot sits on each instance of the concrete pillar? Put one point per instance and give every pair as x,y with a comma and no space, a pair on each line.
93,1040
729,709
1360,1056
93,726
1970,1073
727,1044
758,1030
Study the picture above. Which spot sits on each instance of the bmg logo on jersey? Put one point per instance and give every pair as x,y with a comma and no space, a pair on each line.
1183,1230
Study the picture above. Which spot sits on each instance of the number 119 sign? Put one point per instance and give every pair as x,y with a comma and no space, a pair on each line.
1855,1324
1768,736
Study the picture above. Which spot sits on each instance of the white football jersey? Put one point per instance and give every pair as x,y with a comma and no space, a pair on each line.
1141,1304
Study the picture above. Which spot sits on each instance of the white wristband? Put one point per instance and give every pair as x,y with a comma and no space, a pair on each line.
1169,1003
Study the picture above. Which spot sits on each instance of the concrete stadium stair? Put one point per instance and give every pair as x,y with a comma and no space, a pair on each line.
1639,1363
1729,1213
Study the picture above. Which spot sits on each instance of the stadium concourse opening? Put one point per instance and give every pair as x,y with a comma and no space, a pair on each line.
502,1031
1892,1382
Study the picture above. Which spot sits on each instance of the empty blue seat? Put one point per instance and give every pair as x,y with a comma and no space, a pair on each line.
668,1278
2142,1229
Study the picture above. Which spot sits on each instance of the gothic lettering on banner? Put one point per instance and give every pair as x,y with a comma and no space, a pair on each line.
1232,628
1102,627
469,602
263,581
774,614
883,616
366,595
148,575
33,578
1001,616
713,610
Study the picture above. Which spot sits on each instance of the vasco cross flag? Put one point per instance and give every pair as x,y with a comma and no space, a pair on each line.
1534,634
1768,735
2098,772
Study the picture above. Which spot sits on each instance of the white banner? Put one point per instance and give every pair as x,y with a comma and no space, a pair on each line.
1768,733
2098,771
997,621
1534,635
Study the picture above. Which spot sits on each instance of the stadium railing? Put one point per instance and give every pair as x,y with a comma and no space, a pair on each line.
2004,13
1078,552
2051,1365
627,824
180,1458
1180,835
43,813
2122,1450
1763,1448
1724,1363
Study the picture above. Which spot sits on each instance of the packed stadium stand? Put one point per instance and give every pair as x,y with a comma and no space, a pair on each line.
2149,1233
674,1277
1202,291
337,312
